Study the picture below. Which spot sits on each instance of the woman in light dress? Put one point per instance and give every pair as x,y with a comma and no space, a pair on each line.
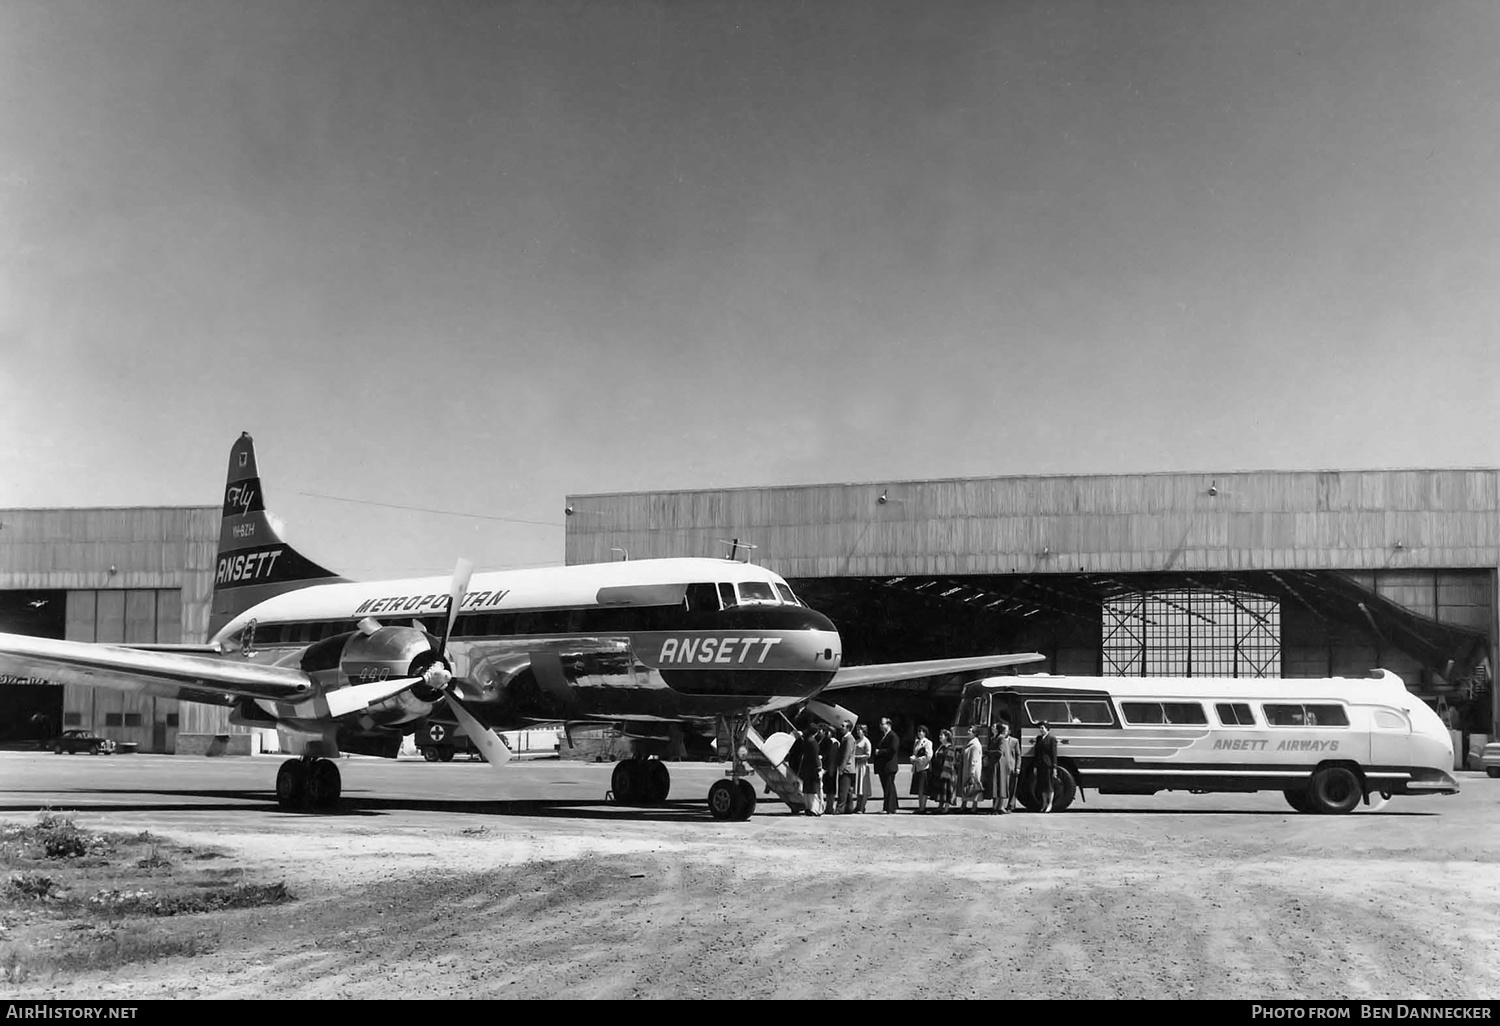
864,779
921,760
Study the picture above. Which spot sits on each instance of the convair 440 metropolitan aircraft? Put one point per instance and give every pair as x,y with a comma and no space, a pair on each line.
343,666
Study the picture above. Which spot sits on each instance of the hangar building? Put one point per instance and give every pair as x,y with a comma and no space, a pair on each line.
142,575
1296,574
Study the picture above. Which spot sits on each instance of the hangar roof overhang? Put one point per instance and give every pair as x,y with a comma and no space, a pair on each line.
951,605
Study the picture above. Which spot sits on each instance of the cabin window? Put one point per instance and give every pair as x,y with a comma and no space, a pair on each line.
1235,714
1170,713
786,595
756,591
702,598
1306,716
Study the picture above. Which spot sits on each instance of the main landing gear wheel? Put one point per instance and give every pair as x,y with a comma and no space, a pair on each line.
446,755
628,782
1334,789
658,781
324,785
430,754
640,782
308,784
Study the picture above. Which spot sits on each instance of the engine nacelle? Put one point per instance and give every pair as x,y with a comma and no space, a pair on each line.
387,653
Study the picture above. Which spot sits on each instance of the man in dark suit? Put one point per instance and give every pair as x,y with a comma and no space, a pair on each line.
828,748
887,759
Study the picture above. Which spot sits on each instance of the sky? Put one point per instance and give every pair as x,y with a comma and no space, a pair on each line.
473,257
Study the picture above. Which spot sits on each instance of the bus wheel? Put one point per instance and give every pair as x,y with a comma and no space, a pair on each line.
1064,790
1334,789
1026,791
1296,797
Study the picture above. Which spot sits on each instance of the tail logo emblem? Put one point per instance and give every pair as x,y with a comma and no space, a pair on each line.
238,499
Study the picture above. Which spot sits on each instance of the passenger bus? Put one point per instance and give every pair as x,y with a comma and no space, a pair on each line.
1324,743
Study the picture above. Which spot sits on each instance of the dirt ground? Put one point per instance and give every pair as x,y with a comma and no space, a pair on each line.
1165,897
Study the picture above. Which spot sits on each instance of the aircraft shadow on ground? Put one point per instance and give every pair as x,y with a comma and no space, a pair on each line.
357,804
360,805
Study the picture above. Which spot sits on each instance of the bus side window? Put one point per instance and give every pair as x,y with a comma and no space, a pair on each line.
1184,713
1235,714
1142,712
1285,715
1327,716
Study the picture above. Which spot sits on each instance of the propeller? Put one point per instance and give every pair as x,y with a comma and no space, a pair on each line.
440,676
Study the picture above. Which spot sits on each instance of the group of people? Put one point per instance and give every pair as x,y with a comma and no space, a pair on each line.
837,764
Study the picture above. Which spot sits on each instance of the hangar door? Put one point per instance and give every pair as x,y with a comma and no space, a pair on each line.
1191,633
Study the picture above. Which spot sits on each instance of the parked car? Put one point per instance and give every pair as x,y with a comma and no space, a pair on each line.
1489,759
75,741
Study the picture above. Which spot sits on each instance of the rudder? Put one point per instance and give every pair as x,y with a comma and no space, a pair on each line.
254,562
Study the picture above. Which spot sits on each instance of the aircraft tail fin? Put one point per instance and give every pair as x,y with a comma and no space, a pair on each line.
254,561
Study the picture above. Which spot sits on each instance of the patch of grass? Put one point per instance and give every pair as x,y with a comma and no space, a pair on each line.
114,904
53,836
92,950
31,886
154,860
74,900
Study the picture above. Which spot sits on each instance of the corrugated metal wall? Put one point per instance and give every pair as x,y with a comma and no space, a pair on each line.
1336,520
132,575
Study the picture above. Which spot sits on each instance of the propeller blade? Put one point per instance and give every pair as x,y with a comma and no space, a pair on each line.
358,697
461,573
495,750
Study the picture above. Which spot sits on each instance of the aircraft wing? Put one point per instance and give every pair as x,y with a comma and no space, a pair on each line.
880,673
193,677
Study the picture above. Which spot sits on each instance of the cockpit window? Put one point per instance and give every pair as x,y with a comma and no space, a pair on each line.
726,595
756,591
702,598
786,595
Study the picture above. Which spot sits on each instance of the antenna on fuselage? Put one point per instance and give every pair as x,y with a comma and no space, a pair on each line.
734,549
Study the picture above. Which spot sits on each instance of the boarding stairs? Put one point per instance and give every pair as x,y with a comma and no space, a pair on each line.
767,757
